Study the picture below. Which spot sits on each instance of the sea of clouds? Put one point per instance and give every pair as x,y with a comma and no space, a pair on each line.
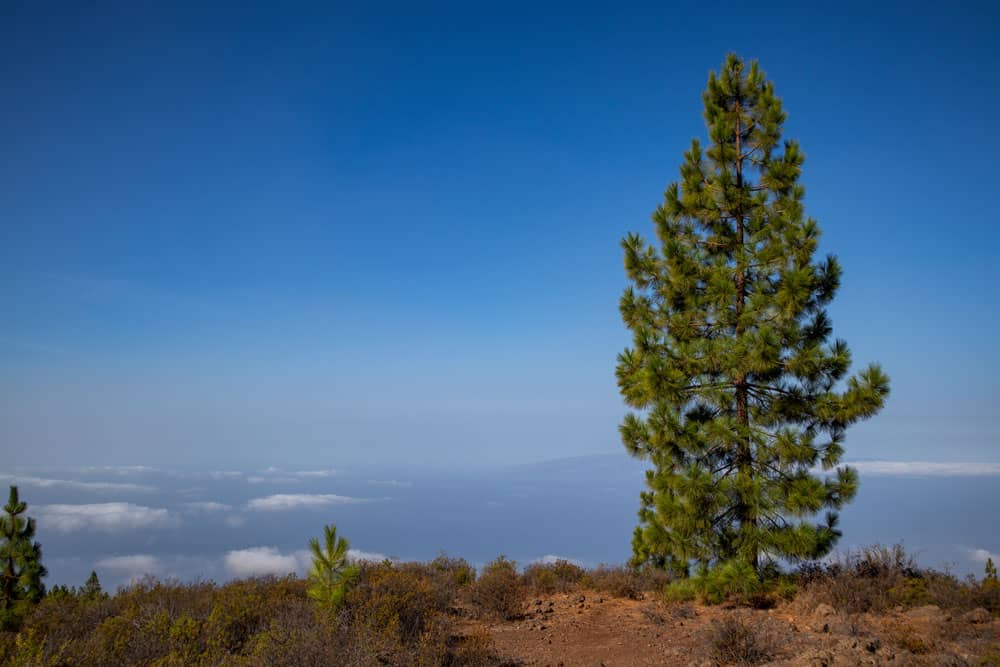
127,522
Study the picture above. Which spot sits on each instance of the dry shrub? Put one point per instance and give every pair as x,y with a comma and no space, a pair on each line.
906,637
653,615
499,592
626,582
446,577
439,648
735,641
396,615
877,578
474,650
990,658
682,611
239,611
398,602
457,570
860,581
561,576
985,594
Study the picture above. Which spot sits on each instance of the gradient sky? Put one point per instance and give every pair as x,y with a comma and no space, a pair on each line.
389,234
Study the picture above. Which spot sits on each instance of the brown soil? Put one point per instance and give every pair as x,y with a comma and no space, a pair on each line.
592,629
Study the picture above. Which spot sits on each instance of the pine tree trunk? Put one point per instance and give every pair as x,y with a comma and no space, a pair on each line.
745,455
9,578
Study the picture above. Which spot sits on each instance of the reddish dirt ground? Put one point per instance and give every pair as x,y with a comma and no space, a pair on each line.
591,629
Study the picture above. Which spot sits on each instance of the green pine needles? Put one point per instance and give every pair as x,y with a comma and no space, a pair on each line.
331,575
738,392
21,561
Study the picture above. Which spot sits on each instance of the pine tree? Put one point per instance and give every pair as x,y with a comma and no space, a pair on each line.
737,390
21,559
331,575
91,589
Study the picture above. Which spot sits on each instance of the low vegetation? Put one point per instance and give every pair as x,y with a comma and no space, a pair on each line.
440,612
394,614
735,641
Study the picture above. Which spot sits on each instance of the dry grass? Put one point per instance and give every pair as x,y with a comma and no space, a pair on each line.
735,641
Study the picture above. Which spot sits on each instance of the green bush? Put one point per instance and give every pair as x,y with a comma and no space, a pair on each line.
785,588
734,578
681,590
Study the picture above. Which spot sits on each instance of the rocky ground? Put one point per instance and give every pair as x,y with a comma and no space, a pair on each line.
591,629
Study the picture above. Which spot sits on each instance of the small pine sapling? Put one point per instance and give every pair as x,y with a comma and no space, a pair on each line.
332,574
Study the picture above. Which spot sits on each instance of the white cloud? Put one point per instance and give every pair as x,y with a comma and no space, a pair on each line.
264,560
366,556
289,501
225,474
926,468
105,517
277,475
43,482
131,470
235,520
550,559
982,555
389,482
255,561
132,566
273,480
207,506
118,470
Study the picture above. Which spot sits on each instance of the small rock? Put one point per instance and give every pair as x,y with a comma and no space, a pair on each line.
977,616
873,645
823,610
581,599
538,603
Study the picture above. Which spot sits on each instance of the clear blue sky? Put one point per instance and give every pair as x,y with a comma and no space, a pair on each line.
390,233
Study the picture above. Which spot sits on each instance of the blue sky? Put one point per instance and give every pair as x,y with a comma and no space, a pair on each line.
312,235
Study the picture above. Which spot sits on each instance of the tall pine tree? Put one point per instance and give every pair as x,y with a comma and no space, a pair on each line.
21,562
738,392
